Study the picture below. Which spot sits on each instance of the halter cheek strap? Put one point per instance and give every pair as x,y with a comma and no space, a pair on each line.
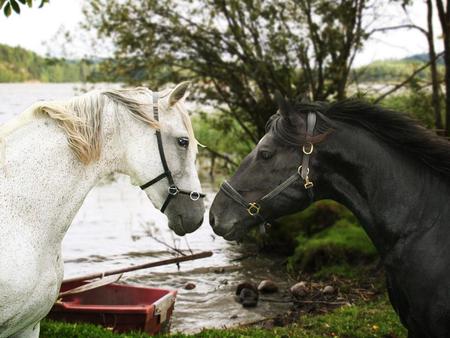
172,190
254,208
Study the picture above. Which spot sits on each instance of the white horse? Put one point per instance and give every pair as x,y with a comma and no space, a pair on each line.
52,155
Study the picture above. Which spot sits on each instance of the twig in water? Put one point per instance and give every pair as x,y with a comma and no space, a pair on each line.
167,245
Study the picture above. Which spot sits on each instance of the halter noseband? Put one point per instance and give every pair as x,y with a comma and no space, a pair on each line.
172,190
254,208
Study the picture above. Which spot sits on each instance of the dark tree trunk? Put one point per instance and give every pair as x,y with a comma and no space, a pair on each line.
434,73
444,18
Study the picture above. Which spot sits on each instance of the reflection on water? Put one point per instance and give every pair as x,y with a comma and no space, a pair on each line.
113,228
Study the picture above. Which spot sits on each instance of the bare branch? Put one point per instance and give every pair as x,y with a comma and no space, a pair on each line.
390,28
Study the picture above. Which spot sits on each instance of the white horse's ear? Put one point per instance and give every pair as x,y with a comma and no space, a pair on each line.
178,92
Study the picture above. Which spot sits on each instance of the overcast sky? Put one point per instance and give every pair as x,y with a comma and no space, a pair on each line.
35,29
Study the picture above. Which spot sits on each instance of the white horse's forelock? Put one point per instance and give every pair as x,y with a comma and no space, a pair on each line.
80,118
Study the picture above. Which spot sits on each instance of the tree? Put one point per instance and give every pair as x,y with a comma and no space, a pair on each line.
240,51
444,18
435,88
13,5
432,63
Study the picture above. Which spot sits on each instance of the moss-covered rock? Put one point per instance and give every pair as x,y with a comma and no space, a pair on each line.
343,243
321,215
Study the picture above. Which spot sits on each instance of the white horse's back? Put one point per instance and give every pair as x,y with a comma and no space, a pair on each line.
27,245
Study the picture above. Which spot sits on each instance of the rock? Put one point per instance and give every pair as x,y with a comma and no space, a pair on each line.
223,281
247,294
267,286
234,316
189,286
299,289
328,290
246,285
248,297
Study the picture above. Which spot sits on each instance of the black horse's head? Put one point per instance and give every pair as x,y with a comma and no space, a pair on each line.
276,158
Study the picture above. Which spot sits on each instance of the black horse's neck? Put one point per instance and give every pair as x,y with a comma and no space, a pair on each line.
393,195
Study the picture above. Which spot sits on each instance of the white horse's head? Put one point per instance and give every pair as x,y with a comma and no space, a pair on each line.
115,131
143,160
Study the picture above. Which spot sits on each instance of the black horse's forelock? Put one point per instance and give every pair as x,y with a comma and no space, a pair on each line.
395,128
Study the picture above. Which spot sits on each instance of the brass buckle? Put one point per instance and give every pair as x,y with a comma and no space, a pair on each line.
253,208
310,150
308,184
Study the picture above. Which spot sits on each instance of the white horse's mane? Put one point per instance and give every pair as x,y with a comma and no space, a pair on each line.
80,118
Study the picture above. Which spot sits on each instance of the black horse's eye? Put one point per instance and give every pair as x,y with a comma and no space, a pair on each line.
266,154
183,142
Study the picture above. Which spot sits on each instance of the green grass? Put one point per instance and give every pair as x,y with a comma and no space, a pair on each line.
373,319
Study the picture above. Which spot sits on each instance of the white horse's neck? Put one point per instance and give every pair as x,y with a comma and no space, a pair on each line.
43,182
42,186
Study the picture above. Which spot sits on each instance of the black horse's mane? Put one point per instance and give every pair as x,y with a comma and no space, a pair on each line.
394,128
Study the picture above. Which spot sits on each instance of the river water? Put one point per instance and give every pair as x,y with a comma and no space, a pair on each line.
117,226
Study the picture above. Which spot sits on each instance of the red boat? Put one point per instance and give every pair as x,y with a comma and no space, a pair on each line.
122,308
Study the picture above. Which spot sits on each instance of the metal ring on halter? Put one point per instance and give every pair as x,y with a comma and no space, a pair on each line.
194,195
299,171
172,190
311,148
253,208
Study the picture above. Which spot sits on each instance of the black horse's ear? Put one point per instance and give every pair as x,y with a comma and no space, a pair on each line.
283,105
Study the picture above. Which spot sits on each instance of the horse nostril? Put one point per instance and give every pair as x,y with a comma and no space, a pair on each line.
212,221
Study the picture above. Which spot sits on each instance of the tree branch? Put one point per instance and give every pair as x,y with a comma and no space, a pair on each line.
389,28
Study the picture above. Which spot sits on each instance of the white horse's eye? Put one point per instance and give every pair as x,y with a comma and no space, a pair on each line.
183,142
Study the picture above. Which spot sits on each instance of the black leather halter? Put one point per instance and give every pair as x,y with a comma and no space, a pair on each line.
254,208
172,190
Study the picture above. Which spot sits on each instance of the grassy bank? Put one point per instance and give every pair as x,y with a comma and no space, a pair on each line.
373,319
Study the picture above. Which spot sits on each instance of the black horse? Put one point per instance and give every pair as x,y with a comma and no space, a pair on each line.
393,174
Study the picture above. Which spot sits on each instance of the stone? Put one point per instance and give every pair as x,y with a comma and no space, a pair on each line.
248,297
247,294
328,290
246,285
189,286
267,286
299,289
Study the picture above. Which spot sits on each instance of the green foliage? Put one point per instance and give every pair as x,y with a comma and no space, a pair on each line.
9,5
18,65
221,134
365,320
